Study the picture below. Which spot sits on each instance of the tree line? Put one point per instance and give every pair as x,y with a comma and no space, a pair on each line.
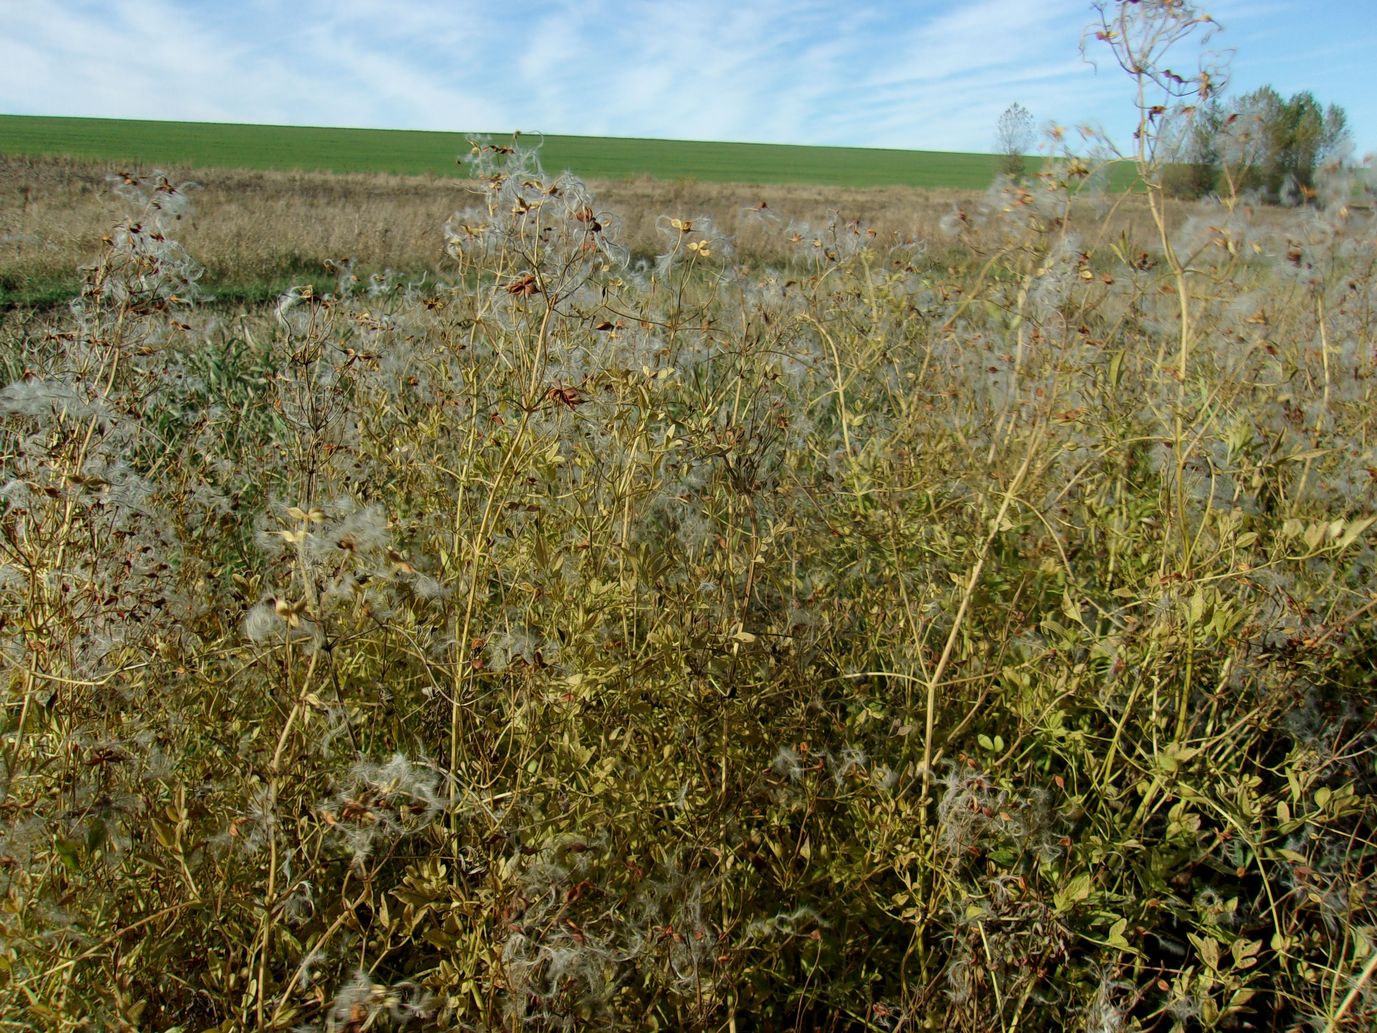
1261,143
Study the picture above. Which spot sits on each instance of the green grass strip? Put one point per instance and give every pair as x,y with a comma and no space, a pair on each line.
410,152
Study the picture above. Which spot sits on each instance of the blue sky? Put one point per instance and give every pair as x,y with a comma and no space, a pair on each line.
924,74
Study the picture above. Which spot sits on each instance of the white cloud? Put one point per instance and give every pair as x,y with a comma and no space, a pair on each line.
906,73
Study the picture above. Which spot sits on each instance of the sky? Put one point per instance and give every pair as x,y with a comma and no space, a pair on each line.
908,74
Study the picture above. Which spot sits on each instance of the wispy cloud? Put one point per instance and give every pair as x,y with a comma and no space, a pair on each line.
915,74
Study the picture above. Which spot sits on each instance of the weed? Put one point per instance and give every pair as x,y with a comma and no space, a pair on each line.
969,635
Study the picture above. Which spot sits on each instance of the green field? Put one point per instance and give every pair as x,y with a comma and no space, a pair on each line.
405,152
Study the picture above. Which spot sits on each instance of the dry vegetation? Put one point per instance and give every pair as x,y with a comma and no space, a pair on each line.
274,228
877,644
973,635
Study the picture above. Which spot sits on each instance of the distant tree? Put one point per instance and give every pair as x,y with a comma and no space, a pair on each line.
1014,137
1336,141
1274,145
1193,161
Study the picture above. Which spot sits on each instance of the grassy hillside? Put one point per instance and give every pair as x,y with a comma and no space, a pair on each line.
208,145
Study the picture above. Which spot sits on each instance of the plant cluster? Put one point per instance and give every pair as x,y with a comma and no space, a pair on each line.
1261,144
879,640
1013,139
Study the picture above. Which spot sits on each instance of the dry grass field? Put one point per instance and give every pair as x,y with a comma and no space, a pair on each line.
256,232
627,607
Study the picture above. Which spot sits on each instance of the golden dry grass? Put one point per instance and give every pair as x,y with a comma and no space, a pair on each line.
264,228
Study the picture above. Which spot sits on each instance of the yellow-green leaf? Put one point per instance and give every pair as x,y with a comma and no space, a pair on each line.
1071,894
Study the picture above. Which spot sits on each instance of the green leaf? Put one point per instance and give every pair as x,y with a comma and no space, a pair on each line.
1117,937
1315,534
1208,949
1071,894
69,852
1195,611
1173,756
1352,529
1069,607
1245,953
1312,453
